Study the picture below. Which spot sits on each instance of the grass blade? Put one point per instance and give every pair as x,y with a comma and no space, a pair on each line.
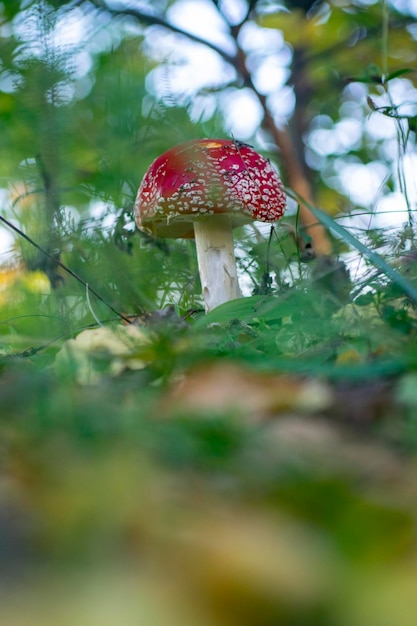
405,285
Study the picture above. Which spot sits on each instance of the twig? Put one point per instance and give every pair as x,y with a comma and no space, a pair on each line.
155,20
63,266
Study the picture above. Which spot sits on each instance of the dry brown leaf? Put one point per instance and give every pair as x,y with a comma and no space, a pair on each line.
229,387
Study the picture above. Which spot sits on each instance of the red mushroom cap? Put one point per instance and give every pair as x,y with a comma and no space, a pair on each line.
203,177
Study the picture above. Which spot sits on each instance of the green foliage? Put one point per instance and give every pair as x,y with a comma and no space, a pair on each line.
251,466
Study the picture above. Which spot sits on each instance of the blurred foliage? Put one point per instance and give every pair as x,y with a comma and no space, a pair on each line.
250,467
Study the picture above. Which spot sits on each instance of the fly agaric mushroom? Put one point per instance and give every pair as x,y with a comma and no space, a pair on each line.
203,189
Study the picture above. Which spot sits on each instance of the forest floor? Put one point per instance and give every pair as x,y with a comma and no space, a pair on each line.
253,466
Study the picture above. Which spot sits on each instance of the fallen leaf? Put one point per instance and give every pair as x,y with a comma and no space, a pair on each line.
229,387
105,350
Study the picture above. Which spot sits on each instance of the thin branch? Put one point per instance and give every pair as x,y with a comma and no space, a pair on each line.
63,266
155,20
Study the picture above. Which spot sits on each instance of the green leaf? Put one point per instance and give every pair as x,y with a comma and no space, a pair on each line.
244,309
405,70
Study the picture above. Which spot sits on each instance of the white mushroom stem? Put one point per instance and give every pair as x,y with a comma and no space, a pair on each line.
216,260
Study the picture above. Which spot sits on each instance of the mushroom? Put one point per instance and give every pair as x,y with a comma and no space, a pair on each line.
203,189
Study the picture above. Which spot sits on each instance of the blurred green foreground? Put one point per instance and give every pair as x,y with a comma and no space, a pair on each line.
234,496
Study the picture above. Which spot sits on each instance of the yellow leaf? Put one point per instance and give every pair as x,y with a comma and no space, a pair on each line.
92,348
349,356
